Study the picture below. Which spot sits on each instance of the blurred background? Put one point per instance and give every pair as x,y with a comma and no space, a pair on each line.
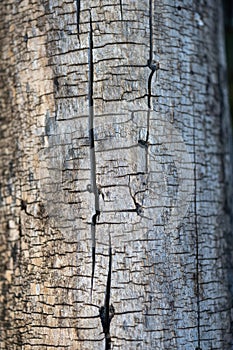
228,11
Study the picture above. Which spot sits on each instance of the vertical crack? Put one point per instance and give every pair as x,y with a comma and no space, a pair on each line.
94,188
151,33
197,252
107,311
197,240
78,6
121,10
153,66
138,208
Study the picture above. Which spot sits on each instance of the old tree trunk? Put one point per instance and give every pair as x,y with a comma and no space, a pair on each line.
115,211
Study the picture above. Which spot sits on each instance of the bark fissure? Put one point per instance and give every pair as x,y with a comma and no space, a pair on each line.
107,311
138,208
197,241
94,188
121,9
153,66
78,6
24,208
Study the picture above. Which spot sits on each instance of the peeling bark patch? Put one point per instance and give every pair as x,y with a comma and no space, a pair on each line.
94,188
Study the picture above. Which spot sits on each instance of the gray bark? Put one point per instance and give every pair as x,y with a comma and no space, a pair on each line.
115,180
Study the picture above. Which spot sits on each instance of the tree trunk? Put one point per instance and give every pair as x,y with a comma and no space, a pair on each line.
115,176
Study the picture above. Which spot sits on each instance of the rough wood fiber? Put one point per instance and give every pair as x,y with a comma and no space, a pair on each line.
114,212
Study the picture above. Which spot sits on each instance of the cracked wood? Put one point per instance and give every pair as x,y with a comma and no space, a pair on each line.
83,104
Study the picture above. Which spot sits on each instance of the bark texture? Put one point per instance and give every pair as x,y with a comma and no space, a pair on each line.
115,176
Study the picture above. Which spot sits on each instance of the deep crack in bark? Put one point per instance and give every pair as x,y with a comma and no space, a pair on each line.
121,9
107,311
94,188
153,67
197,242
78,5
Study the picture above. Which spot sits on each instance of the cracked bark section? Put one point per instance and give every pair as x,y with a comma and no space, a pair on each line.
197,243
78,7
138,208
94,188
121,9
46,262
153,66
107,311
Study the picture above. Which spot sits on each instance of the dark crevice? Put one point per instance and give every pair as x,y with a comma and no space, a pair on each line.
138,208
107,311
93,261
41,213
23,205
95,217
131,174
153,66
78,4
151,32
144,143
197,239
93,187
121,9
91,138
25,38
56,83
14,252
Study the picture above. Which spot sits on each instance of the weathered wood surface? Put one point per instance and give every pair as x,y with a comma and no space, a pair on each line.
114,172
